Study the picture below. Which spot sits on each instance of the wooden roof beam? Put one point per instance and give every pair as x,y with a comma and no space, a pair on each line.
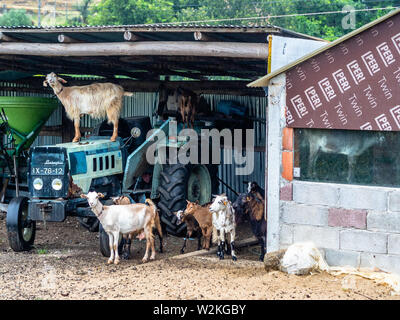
62,38
7,38
130,36
152,48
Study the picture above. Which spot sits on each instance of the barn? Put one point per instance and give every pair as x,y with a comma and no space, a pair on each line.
333,127
215,62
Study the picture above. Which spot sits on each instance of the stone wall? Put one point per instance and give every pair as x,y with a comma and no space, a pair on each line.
354,225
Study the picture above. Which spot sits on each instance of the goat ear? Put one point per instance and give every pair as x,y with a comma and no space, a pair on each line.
61,80
187,201
45,83
100,195
83,196
197,202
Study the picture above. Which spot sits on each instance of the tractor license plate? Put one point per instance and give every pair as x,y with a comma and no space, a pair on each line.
48,171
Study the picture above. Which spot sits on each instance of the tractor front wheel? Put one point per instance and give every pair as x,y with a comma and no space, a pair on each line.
20,229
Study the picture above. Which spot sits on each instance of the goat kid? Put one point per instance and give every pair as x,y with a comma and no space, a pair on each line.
223,218
124,200
124,219
97,100
197,217
192,228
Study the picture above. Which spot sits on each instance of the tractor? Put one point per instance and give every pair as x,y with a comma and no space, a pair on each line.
44,183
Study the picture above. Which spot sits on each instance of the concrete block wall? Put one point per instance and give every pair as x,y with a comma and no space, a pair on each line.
353,225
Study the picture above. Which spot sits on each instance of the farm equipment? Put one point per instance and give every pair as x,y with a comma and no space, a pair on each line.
56,175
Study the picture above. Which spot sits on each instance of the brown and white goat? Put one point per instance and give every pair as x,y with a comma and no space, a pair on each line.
124,200
198,219
223,219
97,100
124,219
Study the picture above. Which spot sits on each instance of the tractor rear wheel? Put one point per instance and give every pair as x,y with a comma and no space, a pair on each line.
20,229
178,183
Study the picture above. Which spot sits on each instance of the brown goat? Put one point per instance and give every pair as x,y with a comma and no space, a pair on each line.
202,216
187,107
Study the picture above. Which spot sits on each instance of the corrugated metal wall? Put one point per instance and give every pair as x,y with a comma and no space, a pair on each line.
145,103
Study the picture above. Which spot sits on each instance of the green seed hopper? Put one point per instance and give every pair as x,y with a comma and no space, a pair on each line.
23,117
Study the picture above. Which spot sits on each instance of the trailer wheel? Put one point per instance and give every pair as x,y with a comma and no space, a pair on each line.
178,183
20,229
89,223
104,244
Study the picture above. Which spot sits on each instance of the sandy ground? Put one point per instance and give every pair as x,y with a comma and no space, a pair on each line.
66,264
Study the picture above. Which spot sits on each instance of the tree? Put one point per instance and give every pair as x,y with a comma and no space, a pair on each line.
15,17
327,26
83,8
132,12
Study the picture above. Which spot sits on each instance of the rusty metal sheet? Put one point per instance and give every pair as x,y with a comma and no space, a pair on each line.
354,85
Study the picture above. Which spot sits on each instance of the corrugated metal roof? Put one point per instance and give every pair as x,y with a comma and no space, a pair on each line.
99,30
263,82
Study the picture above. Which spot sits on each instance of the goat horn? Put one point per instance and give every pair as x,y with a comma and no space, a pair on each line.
62,80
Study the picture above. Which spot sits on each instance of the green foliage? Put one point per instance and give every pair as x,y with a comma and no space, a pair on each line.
15,17
327,26
132,12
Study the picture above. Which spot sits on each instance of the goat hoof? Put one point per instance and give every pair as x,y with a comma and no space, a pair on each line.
152,258
221,257
109,261
261,258
182,251
116,261
112,139
144,260
234,258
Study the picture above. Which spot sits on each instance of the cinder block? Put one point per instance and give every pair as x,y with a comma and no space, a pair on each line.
286,235
323,237
315,193
385,262
292,212
361,240
383,221
394,201
286,192
361,197
339,217
342,258
394,244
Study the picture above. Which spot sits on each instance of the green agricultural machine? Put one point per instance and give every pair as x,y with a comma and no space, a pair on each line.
44,183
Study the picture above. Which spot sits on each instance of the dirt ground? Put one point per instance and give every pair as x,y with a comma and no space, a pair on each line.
66,264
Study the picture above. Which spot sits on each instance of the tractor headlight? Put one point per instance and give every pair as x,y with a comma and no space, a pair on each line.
56,184
38,184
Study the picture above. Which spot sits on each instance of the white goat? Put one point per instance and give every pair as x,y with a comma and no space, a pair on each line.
223,218
124,219
97,100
